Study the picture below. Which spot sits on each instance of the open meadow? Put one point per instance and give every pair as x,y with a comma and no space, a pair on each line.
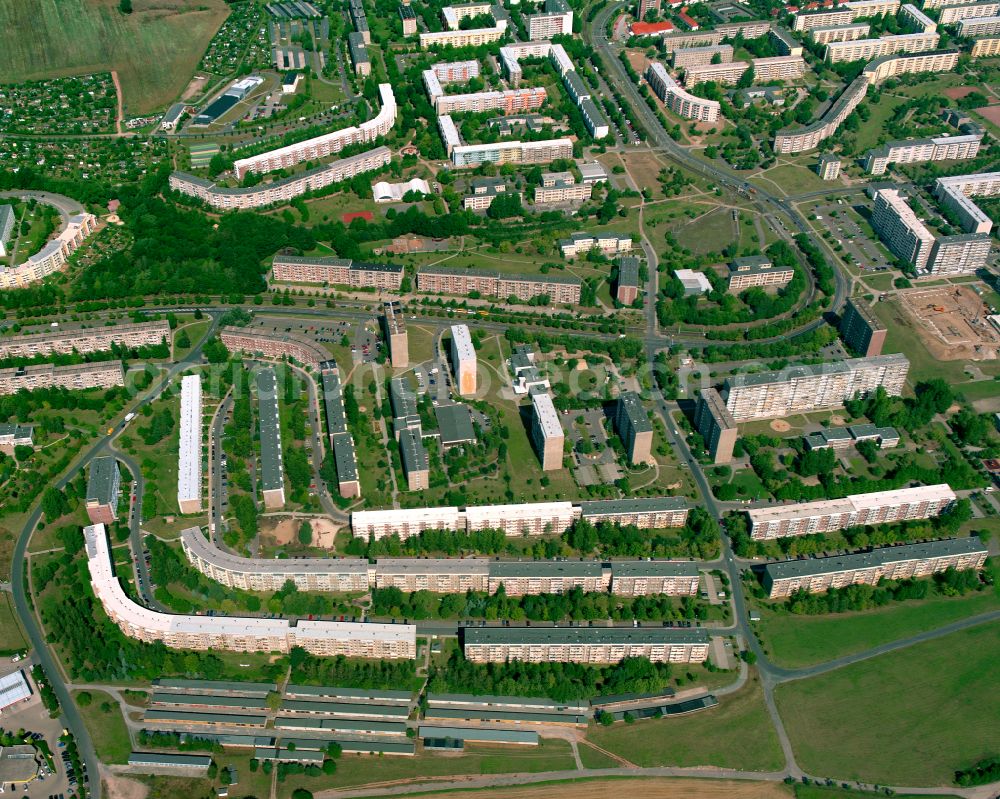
155,50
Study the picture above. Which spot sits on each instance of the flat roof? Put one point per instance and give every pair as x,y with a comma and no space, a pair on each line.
852,503
240,719
345,456
413,452
503,701
455,423
628,271
476,566
294,689
717,407
333,399
332,708
810,370
947,547
461,342
546,416
600,507
402,397
478,734
168,759
527,278
585,635
333,724
864,310
653,568
262,688
576,84
546,568
101,480
637,415
490,714
189,457
191,700
271,468
332,261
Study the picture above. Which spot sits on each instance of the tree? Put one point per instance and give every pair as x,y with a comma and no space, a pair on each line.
305,534
183,340
84,699
125,6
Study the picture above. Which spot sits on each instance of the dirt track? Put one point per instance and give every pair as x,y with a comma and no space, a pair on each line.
652,788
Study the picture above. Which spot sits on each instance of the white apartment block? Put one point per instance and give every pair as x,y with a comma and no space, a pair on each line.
782,67
645,577
336,271
453,15
829,515
816,575
189,455
439,575
822,19
76,377
840,33
585,644
609,244
910,151
756,270
561,189
904,63
985,48
943,3
956,255
460,281
886,45
52,257
322,638
460,38
449,134
511,152
956,193
280,190
463,360
684,57
911,15
555,20
521,578
901,231
725,74
376,524
91,339
456,71
645,513
546,432
979,26
325,145
271,574
805,388
676,99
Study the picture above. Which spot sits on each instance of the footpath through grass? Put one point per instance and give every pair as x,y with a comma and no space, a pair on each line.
735,734
911,717
103,718
798,641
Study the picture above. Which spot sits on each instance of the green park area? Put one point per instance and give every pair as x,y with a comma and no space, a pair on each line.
154,50
735,734
795,641
911,717
103,718
11,635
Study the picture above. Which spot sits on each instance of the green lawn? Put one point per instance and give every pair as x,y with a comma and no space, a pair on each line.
355,770
591,758
911,717
797,641
735,734
792,178
155,49
106,726
11,636
822,792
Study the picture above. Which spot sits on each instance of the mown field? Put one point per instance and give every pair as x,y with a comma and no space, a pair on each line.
155,49
911,717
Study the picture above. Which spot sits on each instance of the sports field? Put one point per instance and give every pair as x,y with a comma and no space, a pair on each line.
155,49
911,717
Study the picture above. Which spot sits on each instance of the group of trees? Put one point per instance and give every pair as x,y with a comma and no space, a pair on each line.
698,538
563,682
308,669
575,605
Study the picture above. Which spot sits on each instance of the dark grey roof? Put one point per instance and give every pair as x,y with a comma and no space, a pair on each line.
500,701
347,693
636,505
479,734
240,719
576,84
101,481
354,266
590,111
585,635
635,412
250,688
168,759
345,725
333,400
488,714
628,271
214,700
271,468
545,568
754,265
403,398
356,43
455,423
345,456
864,310
653,568
332,708
413,452
876,557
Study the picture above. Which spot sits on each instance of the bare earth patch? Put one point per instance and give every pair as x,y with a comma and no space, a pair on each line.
990,112
656,788
780,426
957,92
285,530
951,322
119,787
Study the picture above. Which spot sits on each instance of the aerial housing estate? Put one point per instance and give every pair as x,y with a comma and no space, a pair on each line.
189,454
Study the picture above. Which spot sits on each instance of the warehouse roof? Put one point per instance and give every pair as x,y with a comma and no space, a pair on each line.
348,693
343,708
348,725
167,759
479,734
492,714
585,635
486,700
786,569
193,700
239,719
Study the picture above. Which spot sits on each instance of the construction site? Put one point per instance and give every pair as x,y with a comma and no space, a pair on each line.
953,322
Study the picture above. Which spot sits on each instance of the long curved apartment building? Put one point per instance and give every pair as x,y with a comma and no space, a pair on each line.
676,99
239,634
798,140
52,257
325,145
247,340
239,198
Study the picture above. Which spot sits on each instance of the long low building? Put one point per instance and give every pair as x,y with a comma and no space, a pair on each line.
283,190
75,377
911,151
85,339
510,152
325,145
322,638
336,272
534,518
815,575
277,346
440,575
560,289
865,49
585,644
830,515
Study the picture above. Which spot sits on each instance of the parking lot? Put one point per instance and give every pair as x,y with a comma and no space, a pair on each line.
861,247
600,463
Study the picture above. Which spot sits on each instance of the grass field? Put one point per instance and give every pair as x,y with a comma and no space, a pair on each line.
911,717
106,727
155,50
822,792
11,637
797,641
735,734
356,770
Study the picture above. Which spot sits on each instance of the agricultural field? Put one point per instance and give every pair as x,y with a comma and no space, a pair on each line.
927,711
154,50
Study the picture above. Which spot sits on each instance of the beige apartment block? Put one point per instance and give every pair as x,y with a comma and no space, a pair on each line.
648,577
519,578
546,432
439,575
634,428
716,425
336,272
76,377
463,360
585,644
396,336
89,339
